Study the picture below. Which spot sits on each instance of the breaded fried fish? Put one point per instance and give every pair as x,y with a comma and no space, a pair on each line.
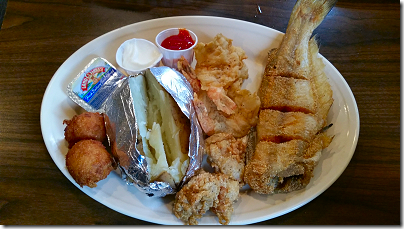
277,126
284,167
295,99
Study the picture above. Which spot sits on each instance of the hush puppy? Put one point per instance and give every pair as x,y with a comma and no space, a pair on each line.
88,125
89,162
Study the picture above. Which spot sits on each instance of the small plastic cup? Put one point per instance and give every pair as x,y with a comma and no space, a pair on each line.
171,57
141,54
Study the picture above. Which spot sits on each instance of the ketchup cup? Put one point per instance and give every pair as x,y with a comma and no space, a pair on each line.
171,57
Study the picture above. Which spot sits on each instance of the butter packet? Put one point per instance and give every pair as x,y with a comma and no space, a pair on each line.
94,84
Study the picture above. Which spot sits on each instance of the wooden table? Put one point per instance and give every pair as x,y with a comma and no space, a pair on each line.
360,38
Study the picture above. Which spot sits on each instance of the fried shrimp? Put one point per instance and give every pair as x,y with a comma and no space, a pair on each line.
89,162
88,125
219,63
220,103
206,191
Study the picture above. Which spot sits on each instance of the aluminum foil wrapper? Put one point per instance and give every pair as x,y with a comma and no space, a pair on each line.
113,98
179,88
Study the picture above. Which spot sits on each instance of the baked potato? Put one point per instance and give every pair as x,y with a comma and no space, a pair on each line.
163,130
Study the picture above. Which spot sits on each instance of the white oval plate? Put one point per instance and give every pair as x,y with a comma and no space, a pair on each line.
256,40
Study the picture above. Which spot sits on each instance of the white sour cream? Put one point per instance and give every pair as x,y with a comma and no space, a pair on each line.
138,54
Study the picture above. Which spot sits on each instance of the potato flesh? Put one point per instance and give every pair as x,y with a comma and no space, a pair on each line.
156,142
138,84
158,129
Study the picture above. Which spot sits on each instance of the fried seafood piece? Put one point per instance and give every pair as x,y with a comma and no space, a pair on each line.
287,94
320,83
221,100
310,159
226,155
293,58
228,195
185,68
219,66
294,78
214,121
206,191
290,144
279,126
89,162
270,159
88,125
219,63
220,103
284,167
217,94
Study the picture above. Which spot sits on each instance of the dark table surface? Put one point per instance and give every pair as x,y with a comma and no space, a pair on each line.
36,37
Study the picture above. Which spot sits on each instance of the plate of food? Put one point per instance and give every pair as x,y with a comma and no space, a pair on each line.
256,41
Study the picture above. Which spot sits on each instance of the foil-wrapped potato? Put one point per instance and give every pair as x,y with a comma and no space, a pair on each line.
163,130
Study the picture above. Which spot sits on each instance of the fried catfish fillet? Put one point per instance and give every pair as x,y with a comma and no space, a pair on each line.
277,126
295,100
206,191
287,94
284,167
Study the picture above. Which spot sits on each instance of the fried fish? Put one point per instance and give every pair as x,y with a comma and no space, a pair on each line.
295,100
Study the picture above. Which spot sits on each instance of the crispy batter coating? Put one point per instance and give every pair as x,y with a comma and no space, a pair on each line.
238,124
185,68
270,159
226,154
287,94
220,103
284,167
294,82
88,162
219,63
322,88
214,191
228,194
277,126
88,125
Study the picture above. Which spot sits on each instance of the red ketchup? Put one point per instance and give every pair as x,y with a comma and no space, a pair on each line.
181,41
